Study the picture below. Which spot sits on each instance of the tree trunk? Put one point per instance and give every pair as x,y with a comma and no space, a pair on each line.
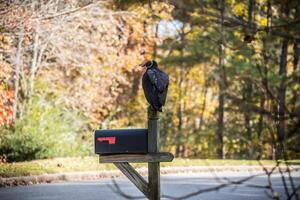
269,16
155,42
248,86
18,66
260,128
221,84
180,109
33,64
295,68
281,100
250,13
296,55
281,94
247,115
269,103
261,117
203,106
181,103
296,47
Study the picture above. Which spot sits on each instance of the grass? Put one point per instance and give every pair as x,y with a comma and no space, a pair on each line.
81,164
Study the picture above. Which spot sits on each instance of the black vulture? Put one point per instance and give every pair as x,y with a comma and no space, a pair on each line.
155,85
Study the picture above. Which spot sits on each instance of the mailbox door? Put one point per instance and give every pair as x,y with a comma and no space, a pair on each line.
121,141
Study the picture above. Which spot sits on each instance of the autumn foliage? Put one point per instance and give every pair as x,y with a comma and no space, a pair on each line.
69,67
7,97
6,105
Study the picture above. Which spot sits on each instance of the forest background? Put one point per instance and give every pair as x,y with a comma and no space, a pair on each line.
68,67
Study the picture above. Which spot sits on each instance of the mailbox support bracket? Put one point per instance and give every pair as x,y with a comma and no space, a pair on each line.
134,177
151,189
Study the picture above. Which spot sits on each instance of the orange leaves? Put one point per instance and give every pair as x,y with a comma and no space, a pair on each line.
6,42
6,70
6,105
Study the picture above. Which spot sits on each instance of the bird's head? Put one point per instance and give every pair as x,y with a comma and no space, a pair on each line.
149,64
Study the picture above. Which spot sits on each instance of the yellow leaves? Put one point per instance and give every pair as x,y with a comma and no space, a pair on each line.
263,21
240,58
230,2
6,69
6,42
164,10
257,56
27,41
264,8
262,1
239,9
2,86
7,39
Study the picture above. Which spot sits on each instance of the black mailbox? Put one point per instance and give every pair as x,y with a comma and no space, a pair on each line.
121,141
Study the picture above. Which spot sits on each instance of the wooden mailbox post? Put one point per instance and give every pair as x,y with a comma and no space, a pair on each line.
150,189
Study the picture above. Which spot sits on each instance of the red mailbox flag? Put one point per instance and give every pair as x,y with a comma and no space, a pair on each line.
111,140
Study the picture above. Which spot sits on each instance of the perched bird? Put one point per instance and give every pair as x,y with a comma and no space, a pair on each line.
155,85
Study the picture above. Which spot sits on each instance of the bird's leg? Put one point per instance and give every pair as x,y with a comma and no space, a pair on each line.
152,108
152,112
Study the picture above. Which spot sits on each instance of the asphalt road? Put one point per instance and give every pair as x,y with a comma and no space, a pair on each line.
175,185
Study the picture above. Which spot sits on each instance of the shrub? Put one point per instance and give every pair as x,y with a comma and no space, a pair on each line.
45,129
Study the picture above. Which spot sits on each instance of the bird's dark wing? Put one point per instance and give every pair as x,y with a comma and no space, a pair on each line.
163,96
158,78
150,91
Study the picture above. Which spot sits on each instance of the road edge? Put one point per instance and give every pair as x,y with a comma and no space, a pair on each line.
93,175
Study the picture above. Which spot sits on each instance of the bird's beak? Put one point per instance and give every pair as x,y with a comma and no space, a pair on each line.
143,64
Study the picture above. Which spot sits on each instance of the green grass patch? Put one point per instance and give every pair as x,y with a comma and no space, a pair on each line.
81,164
